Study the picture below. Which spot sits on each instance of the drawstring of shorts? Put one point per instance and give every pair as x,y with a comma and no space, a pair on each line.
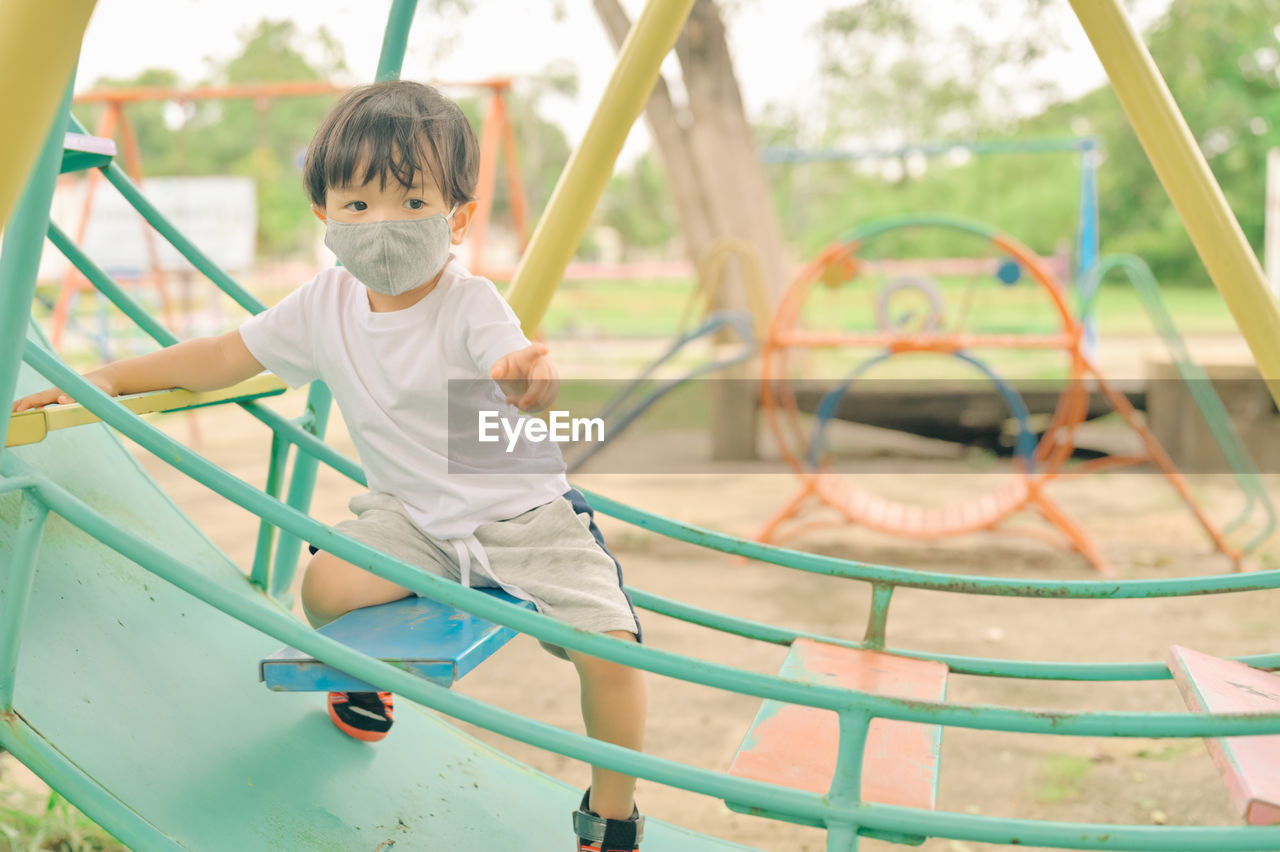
470,547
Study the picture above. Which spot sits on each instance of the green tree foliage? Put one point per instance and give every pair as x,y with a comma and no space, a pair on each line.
637,204
1221,59
260,139
898,72
265,139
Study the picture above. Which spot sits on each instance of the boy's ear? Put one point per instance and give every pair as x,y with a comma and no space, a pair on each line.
462,218
319,213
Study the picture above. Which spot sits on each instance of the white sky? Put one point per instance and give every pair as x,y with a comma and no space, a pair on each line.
773,42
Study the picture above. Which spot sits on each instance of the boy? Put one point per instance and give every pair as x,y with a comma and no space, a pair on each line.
392,172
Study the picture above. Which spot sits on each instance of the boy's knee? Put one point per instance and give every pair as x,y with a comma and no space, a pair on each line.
598,668
324,594
332,588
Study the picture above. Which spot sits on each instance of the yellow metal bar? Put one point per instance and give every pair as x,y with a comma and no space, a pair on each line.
565,220
39,44
1186,177
31,427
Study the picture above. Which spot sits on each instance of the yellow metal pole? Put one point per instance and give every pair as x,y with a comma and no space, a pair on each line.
565,220
1186,177
39,44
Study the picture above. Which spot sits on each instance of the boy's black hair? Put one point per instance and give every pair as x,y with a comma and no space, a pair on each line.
399,128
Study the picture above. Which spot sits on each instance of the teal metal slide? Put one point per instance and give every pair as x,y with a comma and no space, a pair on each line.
141,703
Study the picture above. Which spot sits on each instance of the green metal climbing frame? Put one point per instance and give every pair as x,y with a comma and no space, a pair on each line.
84,637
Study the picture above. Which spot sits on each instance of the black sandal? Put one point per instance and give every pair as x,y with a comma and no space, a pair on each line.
597,834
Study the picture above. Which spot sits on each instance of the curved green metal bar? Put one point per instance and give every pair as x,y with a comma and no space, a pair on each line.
284,429
257,611
987,717
975,666
868,230
962,583
307,442
1198,384
978,666
316,448
990,667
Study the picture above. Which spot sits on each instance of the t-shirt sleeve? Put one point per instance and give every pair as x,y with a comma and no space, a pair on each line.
492,329
281,339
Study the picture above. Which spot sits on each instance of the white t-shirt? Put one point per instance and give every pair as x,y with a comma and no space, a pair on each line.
390,374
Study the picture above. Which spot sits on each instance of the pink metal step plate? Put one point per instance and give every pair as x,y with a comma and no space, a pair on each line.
1249,765
796,746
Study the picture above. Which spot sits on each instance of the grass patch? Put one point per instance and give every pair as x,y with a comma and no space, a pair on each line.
1061,778
30,822
653,308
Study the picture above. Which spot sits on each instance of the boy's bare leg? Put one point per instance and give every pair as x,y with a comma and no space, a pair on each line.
333,587
614,703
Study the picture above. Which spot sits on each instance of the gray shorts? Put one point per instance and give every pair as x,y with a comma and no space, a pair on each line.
552,555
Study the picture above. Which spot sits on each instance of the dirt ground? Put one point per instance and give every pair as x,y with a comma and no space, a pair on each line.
1136,519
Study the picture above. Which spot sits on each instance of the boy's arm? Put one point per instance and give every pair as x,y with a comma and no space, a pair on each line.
206,363
527,377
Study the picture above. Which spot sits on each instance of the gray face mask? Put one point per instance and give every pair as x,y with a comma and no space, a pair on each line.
392,257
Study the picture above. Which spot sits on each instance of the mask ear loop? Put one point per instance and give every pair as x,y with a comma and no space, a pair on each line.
448,217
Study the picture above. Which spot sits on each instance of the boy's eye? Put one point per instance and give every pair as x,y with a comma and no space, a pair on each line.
415,204
357,206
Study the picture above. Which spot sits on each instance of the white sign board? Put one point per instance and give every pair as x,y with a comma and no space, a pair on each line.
218,214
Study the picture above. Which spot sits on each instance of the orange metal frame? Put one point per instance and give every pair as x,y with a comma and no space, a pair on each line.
1025,490
496,132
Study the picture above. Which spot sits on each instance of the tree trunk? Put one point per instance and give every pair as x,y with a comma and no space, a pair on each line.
693,208
719,189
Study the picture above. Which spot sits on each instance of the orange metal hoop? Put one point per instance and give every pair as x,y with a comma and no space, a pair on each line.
1024,489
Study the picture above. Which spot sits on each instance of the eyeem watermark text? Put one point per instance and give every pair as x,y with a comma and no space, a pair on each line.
558,428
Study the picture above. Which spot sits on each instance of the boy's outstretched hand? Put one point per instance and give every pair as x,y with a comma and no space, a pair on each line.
527,377
57,396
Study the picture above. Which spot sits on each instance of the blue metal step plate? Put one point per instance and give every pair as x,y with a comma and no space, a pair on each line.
422,636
